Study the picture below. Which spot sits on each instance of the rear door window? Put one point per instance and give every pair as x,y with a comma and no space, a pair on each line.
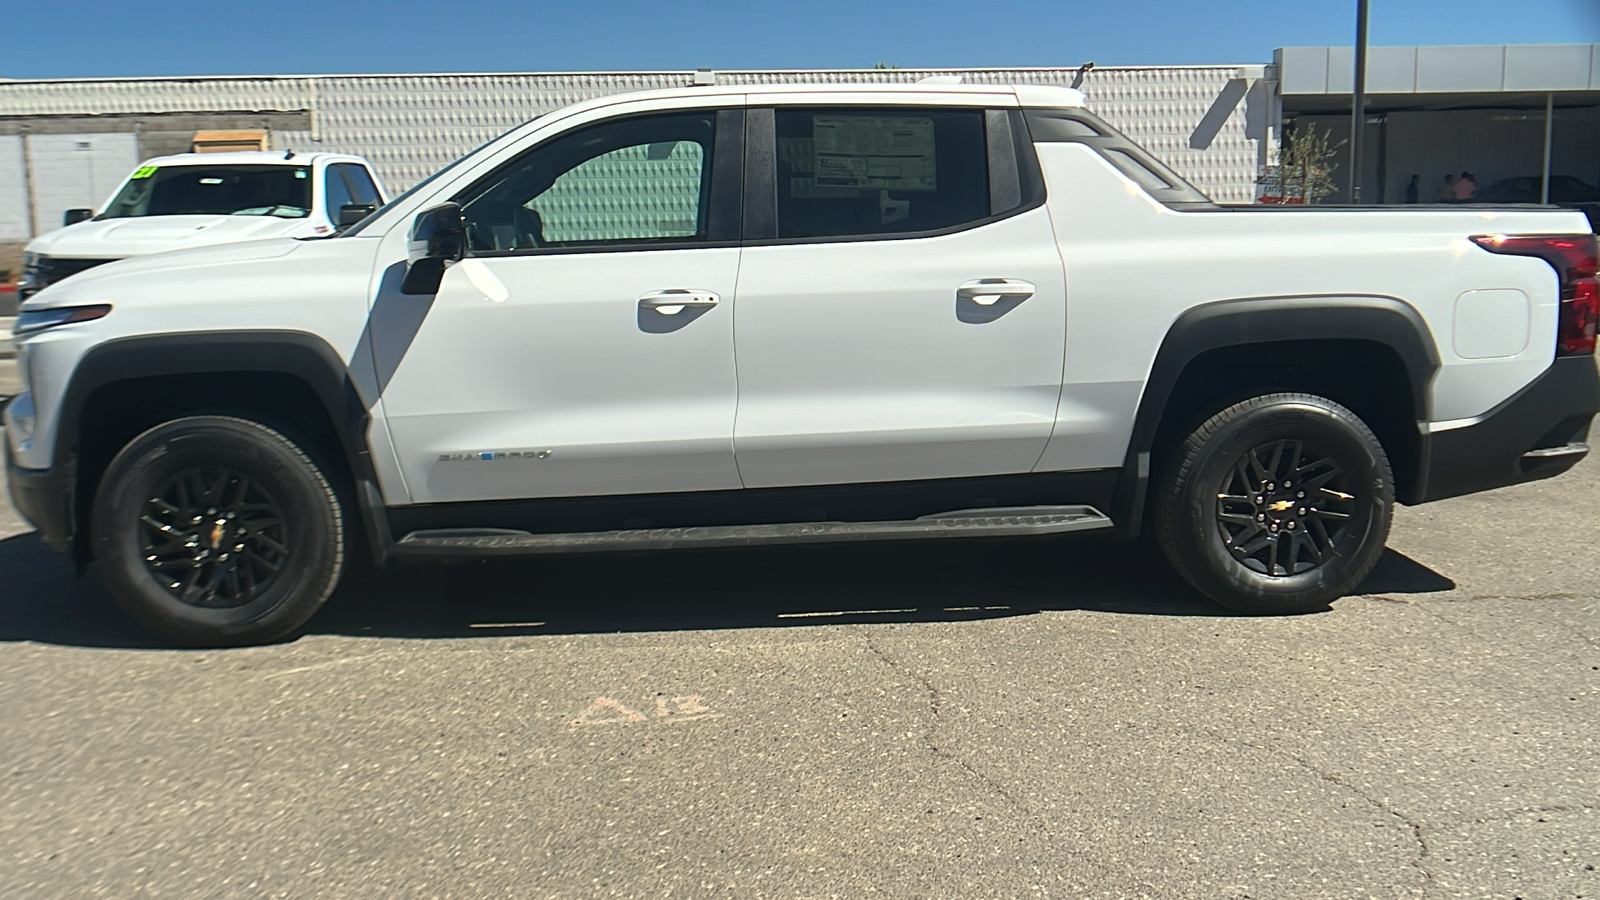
879,170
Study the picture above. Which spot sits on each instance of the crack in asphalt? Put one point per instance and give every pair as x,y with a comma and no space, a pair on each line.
1435,608
1423,850
1419,862
930,739
1504,814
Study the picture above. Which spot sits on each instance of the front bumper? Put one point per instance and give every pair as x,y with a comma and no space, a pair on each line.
1540,432
44,498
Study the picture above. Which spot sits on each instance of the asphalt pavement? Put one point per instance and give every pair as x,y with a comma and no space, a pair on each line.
967,719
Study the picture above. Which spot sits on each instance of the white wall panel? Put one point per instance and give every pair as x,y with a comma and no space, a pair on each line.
13,190
133,96
1163,109
77,170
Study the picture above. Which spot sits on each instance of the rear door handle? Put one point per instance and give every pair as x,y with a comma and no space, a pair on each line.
675,300
988,291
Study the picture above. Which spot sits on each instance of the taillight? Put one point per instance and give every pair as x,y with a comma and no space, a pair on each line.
1576,259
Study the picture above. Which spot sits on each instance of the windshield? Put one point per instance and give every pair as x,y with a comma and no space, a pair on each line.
281,191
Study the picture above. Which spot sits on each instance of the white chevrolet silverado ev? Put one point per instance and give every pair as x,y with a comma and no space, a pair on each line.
203,199
742,315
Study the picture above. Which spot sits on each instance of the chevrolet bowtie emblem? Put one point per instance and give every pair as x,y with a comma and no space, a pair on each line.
1280,506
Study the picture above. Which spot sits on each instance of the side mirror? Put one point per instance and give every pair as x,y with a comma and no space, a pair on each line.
438,238
74,216
351,213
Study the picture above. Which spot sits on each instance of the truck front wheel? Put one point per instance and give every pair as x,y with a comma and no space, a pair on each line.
217,531
1277,504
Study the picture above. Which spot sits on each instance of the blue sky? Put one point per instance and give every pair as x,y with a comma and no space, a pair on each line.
158,37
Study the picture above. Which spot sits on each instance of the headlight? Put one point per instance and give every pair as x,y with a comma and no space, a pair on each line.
31,321
30,260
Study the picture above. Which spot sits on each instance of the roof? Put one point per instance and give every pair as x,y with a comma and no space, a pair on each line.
1493,69
245,158
977,94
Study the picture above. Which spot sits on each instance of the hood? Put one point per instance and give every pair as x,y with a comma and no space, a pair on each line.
120,238
71,290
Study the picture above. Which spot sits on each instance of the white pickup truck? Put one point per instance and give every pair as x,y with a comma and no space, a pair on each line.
742,315
204,199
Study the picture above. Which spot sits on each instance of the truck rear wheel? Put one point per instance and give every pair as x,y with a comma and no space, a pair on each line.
1278,504
216,531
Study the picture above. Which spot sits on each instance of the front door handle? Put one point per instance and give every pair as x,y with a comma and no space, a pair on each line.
988,291
675,300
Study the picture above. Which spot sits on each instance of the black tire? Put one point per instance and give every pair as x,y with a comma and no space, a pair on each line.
1232,521
217,531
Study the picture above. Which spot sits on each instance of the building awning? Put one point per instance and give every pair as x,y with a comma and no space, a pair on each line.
1501,69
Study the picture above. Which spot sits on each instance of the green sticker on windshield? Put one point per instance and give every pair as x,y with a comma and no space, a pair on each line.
144,171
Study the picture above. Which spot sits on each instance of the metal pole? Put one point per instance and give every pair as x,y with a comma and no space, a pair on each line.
1358,102
1549,126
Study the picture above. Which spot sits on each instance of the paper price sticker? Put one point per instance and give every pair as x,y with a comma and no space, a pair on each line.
144,171
886,152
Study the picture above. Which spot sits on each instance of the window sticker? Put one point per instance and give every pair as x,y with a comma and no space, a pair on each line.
144,172
889,152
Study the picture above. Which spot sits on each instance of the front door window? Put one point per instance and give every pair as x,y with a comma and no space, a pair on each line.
634,182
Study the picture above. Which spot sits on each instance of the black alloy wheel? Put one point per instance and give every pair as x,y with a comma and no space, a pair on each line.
217,531
214,537
1278,504
1282,507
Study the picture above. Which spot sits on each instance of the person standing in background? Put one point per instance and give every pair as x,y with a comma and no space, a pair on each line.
1466,186
1447,189
1413,188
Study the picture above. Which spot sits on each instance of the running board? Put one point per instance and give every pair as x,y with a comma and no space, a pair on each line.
1008,522
1576,449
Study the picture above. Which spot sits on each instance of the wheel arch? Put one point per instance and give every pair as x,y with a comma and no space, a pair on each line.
283,377
1385,334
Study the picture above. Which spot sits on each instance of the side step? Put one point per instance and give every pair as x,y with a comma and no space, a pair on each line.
1007,522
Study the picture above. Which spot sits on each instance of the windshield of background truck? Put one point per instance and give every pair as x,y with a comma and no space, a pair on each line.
281,191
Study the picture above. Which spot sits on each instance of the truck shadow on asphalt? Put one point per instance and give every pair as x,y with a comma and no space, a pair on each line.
41,599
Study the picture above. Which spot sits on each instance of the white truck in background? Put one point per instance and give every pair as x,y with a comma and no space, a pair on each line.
962,311
202,199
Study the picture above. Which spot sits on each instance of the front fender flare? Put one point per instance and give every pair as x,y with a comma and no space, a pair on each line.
295,353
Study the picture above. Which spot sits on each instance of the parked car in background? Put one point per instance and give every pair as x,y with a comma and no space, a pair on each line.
202,199
1565,190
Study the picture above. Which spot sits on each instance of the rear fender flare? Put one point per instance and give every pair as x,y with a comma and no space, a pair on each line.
1262,320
